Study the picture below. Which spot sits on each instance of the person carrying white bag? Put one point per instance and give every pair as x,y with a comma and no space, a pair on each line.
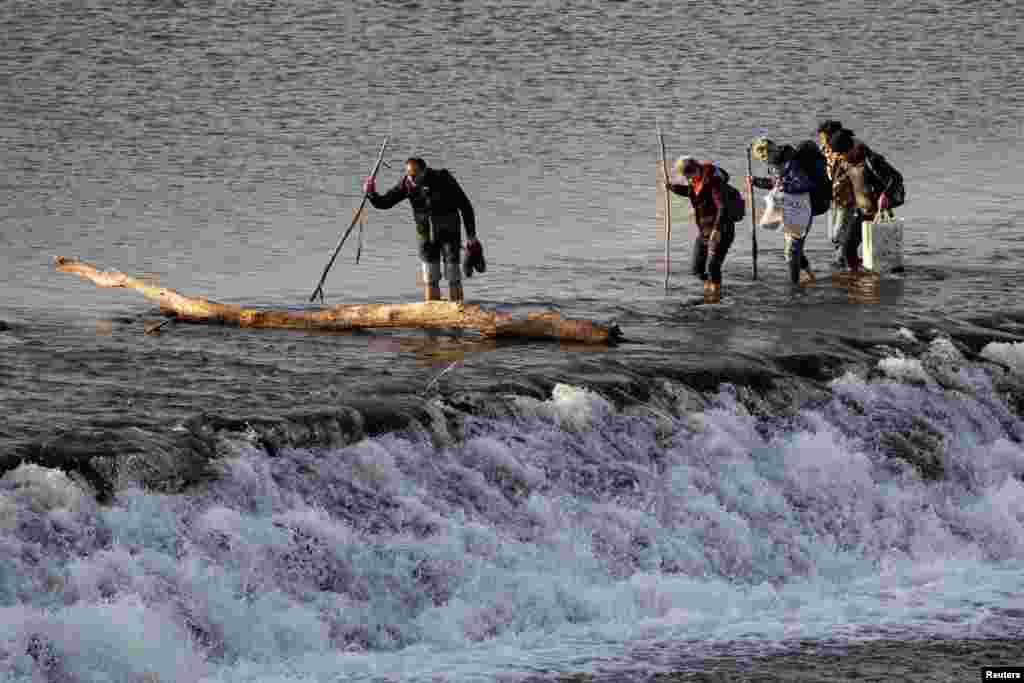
788,203
882,232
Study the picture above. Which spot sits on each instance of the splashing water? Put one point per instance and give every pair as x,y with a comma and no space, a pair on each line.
569,535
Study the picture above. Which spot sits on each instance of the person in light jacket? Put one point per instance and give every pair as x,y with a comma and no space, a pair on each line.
786,175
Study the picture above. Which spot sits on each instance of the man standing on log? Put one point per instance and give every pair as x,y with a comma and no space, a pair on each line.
437,204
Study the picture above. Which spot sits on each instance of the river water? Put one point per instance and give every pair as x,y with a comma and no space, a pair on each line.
764,482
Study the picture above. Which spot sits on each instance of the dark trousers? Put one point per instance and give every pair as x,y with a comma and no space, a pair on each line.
440,236
797,259
708,260
848,239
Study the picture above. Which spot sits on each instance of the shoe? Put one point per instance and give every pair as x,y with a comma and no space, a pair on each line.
807,277
707,286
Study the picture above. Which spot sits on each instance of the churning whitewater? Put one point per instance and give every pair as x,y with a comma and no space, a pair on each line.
540,536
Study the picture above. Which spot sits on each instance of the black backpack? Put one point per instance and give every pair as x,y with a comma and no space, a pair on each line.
735,205
812,161
884,178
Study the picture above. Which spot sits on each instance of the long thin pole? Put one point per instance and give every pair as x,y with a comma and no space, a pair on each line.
359,248
668,210
753,220
319,291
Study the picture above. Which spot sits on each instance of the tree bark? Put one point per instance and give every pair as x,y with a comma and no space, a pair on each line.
428,314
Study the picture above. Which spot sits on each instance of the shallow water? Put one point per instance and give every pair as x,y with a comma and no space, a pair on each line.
824,464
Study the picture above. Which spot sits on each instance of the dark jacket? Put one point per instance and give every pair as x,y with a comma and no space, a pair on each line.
706,198
786,174
860,180
438,195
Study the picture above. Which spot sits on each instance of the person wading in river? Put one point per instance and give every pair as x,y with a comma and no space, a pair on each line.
843,228
704,184
440,208
786,176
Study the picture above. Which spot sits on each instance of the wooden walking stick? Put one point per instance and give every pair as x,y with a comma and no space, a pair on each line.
753,220
319,291
361,214
668,210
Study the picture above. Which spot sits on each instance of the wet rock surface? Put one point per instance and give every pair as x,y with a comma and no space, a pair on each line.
945,661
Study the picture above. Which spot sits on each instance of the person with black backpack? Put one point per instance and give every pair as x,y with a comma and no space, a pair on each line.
877,186
787,174
717,206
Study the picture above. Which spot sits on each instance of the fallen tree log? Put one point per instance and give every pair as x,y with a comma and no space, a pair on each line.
427,315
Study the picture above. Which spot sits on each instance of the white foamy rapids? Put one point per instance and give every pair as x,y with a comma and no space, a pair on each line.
46,488
1010,354
571,537
571,407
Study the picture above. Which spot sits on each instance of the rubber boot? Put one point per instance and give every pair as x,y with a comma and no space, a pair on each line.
431,292
455,293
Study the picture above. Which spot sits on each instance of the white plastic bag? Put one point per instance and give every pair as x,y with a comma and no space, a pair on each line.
882,243
771,217
791,212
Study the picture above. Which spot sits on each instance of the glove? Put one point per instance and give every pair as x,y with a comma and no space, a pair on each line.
369,185
883,202
474,258
474,247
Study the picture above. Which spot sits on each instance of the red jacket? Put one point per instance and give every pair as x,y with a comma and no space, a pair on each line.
705,193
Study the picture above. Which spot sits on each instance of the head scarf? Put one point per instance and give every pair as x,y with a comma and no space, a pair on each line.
687,166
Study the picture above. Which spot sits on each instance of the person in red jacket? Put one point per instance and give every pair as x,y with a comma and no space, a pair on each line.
440,209
703,183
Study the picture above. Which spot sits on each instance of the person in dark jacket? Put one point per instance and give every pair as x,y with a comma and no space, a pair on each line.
703,183
440,209
787,176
